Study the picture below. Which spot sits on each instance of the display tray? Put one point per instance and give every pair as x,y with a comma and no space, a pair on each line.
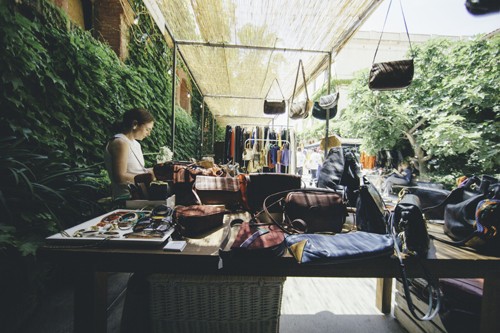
106,228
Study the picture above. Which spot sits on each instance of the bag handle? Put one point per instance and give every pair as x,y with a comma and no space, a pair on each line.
301,65
281,92
383,28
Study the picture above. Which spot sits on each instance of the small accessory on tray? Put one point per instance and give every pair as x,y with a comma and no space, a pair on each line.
391,75
274,107
300,110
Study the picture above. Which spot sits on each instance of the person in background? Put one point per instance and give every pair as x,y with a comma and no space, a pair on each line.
397,177
314,162
301,158
123,154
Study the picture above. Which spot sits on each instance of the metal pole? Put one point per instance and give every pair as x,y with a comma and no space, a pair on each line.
213,135
328,110
174,66
202,125
252,47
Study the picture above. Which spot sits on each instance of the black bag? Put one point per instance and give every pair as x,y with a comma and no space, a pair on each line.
410,236
410,226
340,171
428,198
274,107
320,113
391,75
371,213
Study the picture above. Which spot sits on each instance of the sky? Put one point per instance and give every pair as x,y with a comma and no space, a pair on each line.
438,17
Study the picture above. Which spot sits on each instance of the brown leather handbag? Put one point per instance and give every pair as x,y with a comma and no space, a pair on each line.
196,220
218,190
313,211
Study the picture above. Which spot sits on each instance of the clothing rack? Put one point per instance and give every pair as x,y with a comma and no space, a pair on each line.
290,151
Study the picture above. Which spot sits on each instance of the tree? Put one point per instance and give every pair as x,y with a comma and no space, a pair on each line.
449,113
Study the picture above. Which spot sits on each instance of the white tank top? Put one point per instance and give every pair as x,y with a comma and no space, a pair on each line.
135,165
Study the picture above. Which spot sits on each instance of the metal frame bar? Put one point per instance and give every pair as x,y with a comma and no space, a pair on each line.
253,47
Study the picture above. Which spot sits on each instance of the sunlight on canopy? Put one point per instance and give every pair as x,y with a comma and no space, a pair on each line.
234,49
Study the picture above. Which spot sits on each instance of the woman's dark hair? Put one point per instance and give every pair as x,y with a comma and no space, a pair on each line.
132,117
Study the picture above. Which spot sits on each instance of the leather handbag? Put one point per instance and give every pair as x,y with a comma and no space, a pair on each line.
252,239
300,110
197,220
391,75
371,213
274,107
410,226
320,113
428,198
311,211
409,230
218,190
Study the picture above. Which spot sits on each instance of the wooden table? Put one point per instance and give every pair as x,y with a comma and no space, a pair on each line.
200,257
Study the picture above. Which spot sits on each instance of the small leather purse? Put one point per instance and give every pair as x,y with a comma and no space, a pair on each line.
274,107
196,220
300,110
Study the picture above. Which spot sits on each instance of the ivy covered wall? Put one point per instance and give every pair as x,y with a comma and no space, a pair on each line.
62,89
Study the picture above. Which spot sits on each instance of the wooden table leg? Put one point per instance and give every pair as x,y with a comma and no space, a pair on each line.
90,302
384,295
490,306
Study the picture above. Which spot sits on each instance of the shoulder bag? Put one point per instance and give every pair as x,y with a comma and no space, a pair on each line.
409,231
300,110
326,107
273,106
371,213
391,75
197,220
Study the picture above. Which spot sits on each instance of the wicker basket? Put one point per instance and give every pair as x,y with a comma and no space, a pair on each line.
215,303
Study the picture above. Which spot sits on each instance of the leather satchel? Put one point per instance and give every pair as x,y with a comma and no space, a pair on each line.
391,75
197,220
311,211
218,190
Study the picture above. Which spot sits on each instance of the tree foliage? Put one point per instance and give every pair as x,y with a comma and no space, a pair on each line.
449,114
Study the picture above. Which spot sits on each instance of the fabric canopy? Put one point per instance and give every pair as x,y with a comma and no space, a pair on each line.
234,49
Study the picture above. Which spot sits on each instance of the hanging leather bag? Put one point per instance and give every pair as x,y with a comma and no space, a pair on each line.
300,110
391,75
274,107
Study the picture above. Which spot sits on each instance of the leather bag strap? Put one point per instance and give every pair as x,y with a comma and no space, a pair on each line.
277,82
383,28
301,66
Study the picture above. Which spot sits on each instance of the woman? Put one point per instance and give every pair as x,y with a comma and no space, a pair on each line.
398,177
123,154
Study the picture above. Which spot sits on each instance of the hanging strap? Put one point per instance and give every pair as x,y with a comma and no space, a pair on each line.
275,79
301,65
383,28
